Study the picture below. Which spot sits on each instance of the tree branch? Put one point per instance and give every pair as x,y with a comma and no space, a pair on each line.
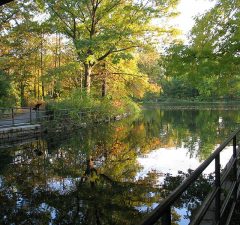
67,26
124,49
105,55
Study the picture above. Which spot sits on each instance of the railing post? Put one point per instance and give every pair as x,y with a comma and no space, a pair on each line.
166,218
235,167
12,116
30,116
235,147
218,187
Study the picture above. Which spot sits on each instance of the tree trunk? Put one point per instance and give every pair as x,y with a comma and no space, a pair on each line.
87,74
81,82
104,87
38,86
59,50
35,78
41,65
22,94
35,88
43,90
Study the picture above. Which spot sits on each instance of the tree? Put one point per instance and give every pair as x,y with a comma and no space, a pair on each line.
7,97
19,49
210,63
99,28
214,39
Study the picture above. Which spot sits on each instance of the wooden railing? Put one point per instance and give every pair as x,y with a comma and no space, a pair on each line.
223,208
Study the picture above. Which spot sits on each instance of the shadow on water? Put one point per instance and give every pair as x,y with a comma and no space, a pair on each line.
91,176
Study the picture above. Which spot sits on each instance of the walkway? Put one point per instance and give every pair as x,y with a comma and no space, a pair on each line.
17,116
18,124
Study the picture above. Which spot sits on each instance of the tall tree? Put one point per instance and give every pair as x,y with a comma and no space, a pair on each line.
215,39
99,28
210,63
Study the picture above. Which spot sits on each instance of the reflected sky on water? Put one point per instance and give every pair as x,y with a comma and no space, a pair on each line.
158,160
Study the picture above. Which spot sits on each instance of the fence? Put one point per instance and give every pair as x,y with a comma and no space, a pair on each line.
17,116
26,115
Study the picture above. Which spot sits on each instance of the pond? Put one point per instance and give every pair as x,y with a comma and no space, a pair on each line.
112,173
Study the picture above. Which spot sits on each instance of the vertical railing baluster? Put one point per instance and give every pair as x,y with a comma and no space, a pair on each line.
218,187
235,167
235,146
166,218
30,116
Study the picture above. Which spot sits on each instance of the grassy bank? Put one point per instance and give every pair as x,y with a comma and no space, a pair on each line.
82,107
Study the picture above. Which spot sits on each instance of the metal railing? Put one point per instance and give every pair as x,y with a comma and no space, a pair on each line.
17,116
85,115
214,199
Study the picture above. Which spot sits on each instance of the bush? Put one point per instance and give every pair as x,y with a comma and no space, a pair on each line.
102,108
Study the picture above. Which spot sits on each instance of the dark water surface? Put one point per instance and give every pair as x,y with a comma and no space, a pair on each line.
112,173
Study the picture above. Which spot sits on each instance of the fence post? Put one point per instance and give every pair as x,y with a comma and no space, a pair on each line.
12,116
218,187
30,111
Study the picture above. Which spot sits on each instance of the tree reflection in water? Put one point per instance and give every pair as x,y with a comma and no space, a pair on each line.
31,195
90,176
194,196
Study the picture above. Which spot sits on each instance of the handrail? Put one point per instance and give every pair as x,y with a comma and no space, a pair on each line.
163,210
14,116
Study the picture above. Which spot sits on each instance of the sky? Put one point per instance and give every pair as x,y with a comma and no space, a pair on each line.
189,9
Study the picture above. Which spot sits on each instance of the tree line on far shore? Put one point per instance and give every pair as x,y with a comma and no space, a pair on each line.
76,54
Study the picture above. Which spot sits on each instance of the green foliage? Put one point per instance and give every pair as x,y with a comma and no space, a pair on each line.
99,29
79,101
82,45
7,97
148,63
210,63
178,88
